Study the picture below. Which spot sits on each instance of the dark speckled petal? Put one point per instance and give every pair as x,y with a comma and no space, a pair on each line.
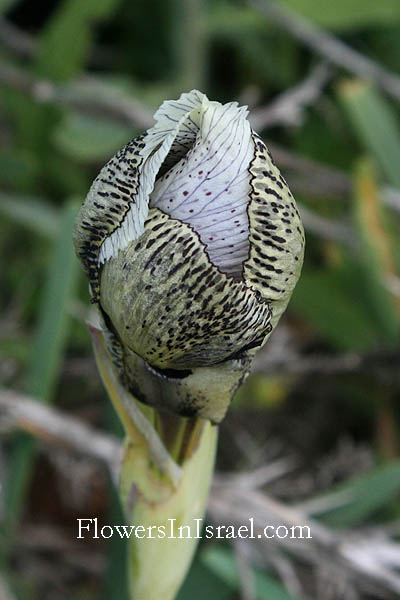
193,245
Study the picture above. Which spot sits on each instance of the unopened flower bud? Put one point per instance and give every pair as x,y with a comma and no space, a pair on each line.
193,245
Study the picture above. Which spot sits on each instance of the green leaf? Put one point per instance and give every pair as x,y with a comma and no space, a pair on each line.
46,355
115,581
361,497
34,213
376,124
202,583
65,42
52,328
347,14
326,299
18,169
6,5
222,562
253,39
377,261
86,138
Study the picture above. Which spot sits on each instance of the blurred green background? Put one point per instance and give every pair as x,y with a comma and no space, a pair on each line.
80,78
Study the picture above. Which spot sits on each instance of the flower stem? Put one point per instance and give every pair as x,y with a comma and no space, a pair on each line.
165,477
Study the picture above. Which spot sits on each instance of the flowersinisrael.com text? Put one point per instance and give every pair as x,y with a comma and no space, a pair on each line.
91,528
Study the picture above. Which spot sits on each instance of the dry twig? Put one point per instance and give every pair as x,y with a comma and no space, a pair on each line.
16,40
54,426
288,108
369,561
5,592
363,562
383,363
307,176
328,46
25,45
84,94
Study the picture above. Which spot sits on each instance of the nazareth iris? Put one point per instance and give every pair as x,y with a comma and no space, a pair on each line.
193,244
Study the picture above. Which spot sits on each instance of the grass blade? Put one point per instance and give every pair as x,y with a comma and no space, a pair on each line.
222,563
34,213
376,125
47,350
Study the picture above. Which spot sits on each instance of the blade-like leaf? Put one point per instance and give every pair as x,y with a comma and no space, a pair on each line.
86,138
326,300
47,351
376,253
34,213
376,124
222,563
67,37
359,498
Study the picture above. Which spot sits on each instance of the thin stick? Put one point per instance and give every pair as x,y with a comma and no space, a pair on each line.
5,592
16,40
51,425
328,46
382,363
231,504
288,108
363,562
87,94
84,94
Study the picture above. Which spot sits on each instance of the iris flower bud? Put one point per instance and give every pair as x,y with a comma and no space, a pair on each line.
193,245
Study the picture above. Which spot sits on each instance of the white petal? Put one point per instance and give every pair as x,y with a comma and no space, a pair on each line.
209,187
177,123
200,152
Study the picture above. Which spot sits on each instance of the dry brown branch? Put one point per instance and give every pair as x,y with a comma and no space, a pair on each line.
16,40
25,45
47,538
312,178
288,108
5,592
360,559
84,94
259,477
382,364
328,229
245,572
307,176
370,561
54,426
328,46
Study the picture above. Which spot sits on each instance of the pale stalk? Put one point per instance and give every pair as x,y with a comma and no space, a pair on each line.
157,491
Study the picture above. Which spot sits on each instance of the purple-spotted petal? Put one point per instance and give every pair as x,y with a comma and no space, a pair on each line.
209,187
195,163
